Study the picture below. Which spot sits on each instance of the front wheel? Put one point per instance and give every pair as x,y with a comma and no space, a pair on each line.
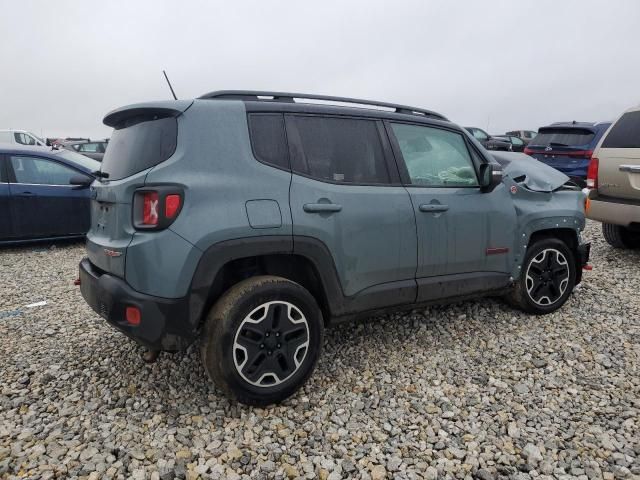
547,279
262,340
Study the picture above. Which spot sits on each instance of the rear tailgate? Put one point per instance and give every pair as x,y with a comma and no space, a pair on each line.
144,135
564,148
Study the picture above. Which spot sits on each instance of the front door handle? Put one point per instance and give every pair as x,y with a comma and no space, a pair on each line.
433,207
321,207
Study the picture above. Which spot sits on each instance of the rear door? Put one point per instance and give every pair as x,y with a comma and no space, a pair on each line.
465,236
345,193
619,159
43,202
6,227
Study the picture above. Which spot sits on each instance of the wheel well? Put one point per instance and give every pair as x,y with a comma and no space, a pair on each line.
292,267
567,235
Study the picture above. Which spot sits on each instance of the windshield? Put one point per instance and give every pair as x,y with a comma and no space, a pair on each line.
80,160
141,143
562,137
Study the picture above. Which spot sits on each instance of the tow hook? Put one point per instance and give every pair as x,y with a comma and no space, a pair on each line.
150,356
76,282
587,267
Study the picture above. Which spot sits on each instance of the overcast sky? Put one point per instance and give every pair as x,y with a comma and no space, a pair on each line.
494,64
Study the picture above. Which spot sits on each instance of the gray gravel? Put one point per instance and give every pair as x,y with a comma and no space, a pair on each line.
474,390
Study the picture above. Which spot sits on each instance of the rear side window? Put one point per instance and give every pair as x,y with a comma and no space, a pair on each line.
3,172
268,139
562,137
139,144
625,133
341,150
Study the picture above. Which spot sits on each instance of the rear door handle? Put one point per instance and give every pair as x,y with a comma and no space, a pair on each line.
321,207
630,168
433,207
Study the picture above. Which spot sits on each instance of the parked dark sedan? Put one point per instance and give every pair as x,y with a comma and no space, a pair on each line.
517,144
487,141
44,193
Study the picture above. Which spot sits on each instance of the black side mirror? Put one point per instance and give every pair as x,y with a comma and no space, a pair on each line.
80,181
490,176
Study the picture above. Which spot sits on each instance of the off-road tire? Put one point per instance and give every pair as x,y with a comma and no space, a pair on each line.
521,298
220,348
620,237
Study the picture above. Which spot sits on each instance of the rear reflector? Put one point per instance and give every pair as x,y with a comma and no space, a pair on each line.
150,208
171,205
133,316
592,173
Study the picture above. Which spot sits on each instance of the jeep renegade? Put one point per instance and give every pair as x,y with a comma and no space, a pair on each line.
250,221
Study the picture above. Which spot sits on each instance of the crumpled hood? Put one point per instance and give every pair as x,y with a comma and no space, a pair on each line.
529,172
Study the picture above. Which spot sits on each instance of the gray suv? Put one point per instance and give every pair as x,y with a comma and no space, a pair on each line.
250,221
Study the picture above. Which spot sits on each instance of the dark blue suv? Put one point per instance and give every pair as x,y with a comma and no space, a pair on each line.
567,147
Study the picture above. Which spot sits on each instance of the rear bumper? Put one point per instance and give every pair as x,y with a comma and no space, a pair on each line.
164,322
612,210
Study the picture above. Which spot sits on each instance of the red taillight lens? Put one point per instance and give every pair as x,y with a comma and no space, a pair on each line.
134,317
150,208
592,173
581,154
171,205
528,151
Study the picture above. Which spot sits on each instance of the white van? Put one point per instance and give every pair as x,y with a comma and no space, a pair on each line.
20,137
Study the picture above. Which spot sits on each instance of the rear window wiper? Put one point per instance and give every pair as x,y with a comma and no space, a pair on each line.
558,144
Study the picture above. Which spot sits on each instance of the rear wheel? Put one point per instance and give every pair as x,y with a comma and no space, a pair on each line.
547,279
620,237
262,340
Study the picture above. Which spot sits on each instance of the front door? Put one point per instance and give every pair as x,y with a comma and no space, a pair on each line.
43,203
465,236
346,194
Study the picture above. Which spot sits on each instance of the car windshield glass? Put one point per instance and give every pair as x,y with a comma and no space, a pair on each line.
562,137
73,157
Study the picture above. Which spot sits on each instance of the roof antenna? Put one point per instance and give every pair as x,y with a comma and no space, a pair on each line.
170,87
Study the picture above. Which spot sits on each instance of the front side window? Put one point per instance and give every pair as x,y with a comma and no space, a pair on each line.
435,157
625,133
268,138
40,171
342,150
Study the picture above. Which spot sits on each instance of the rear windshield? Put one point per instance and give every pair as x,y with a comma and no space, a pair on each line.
139,144
562,137
625,133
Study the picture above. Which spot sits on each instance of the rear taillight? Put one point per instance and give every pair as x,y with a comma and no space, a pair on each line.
528,151
157,207
592,173
150,208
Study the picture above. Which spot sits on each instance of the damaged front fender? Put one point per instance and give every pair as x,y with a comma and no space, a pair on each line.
530,173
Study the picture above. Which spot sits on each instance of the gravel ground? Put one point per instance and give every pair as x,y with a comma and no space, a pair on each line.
474,390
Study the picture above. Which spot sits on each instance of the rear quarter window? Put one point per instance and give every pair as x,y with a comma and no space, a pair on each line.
138,144
268,139
625,133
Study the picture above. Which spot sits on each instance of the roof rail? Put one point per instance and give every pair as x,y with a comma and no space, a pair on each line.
254,95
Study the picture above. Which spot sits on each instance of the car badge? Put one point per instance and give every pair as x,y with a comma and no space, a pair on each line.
548,149
513,189
111,253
